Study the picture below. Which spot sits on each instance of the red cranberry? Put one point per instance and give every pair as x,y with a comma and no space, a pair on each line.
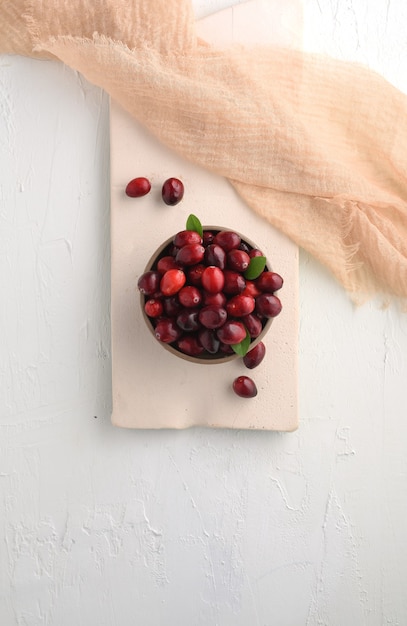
268,305
239,305
234,282
185,237
213,279
255,252
214,299
231,332
172,191
237,260
166,263
138,187
209,340
254,357
208,237
172,306
172,281
188,320
213,316
244,387
227,240
190,296
190,345
149,283
253,325
215,255
194,274
269,281
153,307
167,331
190,254
251,289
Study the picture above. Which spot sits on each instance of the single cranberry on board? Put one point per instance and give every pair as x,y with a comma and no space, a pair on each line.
244,387
172,191
138,187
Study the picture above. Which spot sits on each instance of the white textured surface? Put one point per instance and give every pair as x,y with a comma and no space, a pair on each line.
105,527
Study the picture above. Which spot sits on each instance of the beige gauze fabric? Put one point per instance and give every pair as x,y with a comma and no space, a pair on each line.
316,146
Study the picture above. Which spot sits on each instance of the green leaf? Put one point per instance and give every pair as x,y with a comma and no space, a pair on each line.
193,223
242,348
256,266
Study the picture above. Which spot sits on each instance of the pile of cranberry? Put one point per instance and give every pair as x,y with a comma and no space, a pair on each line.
209,294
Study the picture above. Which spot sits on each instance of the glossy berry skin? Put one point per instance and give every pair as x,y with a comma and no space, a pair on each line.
149,282
154,307
172,281
253,324
254,357
237,260
244,387
172,191
138,187
194,274
213,279
190,296
234,282
167,331
190,345
172,306
215,255
231,332
190,254
268,305
214,299
239,305
185,237
213,316
269,282
227,239
188,320
166,263
255,252
251,289
209,340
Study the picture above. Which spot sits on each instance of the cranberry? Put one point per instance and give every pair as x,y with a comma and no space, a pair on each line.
253,325
172,191
215,255
237,260
239,305
227,239
194,274
208,237
138,187
244,387
213,316
172,306
254,357
188,320
213,279
153,307
214,299
149,282
255,252
234,282
251,289
268,305
209,340
190,296
172,281
190,254
166,263
269,281
231,332
185,237
190,345
167,331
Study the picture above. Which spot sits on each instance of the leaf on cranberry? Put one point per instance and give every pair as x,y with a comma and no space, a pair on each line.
242,348
193,223
256,266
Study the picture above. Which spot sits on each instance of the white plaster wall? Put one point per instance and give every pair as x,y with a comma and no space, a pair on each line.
105,527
